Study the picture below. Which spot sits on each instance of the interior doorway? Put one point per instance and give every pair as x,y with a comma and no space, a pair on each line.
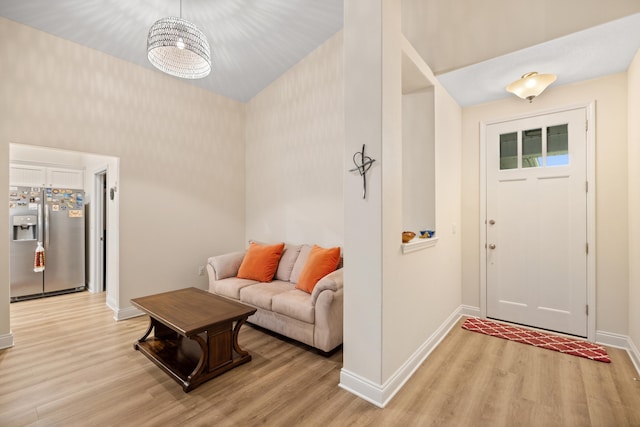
101,176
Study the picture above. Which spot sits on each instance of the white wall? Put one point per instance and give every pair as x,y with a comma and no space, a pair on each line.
634,202
363,56
610,94
418,161
394,303
47,156
422,289
181,151
111,165
294,147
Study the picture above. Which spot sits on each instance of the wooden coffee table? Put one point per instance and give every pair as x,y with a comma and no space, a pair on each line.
194,337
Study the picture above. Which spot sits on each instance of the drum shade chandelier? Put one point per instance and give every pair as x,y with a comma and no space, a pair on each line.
177,47
531,85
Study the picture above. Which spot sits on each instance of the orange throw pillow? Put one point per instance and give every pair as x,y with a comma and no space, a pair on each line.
260,262
319,263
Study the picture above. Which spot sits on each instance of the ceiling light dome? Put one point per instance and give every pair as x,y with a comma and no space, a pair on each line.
531,85
177,47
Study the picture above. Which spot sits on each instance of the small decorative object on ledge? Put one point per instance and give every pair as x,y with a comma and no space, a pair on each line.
407,236
363,164
426,234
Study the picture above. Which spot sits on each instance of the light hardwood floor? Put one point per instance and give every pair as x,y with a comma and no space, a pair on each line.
73,365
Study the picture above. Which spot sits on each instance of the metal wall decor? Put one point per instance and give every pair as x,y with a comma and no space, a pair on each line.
363,164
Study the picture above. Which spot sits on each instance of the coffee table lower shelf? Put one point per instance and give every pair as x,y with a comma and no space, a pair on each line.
184,361
168,356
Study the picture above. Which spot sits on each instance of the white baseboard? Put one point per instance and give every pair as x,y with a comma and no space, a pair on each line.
6,340
468,310
634,354
361,387
127,313
112,303
122,313
620,341
381,394
612,340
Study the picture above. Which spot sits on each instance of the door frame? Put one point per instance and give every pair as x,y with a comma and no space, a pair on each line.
111,166
98,263
591,207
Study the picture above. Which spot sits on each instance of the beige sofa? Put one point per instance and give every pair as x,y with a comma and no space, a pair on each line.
314,319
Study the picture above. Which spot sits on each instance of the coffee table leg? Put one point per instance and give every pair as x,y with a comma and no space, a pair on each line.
146,334
236,346
200,367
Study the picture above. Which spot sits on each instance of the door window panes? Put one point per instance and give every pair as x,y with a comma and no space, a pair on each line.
557,145
532,148
509,151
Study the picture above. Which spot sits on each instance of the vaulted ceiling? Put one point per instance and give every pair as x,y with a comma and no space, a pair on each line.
475,48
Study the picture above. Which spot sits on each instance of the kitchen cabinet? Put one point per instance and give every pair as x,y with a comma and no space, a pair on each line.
43,176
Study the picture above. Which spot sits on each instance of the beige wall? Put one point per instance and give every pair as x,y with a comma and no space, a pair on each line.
294,148
610,94
181,153
474,31
634,199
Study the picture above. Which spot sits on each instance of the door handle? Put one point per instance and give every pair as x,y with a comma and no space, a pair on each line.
491,222
39,223
492,246
46,226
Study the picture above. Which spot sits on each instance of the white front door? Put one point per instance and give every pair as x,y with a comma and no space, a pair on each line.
536,201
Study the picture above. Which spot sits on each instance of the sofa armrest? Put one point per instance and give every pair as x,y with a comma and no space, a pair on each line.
225,266
332,281
327,331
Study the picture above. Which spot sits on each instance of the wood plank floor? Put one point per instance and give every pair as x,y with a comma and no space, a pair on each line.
73,365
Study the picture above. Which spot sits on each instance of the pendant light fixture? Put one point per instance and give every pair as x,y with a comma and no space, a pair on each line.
177,47
531,85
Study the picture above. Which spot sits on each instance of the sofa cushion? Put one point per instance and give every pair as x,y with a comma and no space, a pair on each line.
320,262
294,303
260,262
231,287
262,294
297,267
287,261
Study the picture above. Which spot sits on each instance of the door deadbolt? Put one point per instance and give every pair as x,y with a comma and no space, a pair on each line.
492,246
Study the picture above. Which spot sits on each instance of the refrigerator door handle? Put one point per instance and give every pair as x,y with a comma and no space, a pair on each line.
39,223
46,227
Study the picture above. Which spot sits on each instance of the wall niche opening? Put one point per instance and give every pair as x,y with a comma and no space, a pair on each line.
418,152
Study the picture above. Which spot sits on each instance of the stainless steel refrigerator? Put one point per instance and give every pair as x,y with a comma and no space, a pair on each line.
55,217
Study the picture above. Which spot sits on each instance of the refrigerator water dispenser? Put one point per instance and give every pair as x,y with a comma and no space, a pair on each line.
24,227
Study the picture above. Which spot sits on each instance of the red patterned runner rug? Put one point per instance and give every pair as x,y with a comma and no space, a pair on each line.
565,345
